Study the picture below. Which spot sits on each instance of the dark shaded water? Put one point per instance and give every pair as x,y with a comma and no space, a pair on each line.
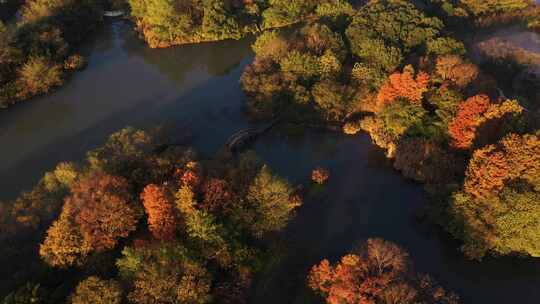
197,86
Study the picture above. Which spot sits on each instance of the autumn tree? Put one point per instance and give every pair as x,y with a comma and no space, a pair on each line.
164,273
478,111
360,277
38,75
462,129
498,210
64,244
383,32
94,290
95,215
403,85
491,167
377,272
103,209
217,195
161,213
452,68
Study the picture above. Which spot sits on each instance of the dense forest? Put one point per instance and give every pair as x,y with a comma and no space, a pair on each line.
141,220
166,23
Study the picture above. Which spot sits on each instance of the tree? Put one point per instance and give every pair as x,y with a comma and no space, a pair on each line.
270,44
282,12
64,244
217,195
453,69
164,273
462,129
35,10
445,46
389,25
103,209
403,85
498,208
478,119
38,75
514,157
377,272
94,290
270,199
360,277
161,217
334,100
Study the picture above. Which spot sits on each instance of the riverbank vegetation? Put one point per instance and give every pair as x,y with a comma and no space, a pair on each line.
486,13
147,226
37,51
164,23
395,72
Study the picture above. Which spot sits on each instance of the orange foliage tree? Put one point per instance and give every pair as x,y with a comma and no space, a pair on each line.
403,85
162,220
462,129
103,209
376,273
93,217
476,111
492,166
360,277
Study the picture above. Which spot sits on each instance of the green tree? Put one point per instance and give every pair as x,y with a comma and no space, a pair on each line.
164,274
269,197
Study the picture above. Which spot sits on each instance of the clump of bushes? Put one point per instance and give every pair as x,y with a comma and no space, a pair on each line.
74,62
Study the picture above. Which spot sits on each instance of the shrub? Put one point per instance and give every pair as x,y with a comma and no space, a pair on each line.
74,62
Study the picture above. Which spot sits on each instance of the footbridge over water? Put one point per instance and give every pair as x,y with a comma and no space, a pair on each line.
242,137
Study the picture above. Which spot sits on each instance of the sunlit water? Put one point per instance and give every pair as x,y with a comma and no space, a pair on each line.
197,86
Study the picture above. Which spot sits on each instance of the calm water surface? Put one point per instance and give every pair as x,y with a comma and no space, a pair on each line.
197,86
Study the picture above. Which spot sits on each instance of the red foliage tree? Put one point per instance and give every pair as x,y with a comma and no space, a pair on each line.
403,85
162,220
462,129
216,195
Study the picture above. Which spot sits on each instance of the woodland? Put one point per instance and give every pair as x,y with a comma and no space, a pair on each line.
142,221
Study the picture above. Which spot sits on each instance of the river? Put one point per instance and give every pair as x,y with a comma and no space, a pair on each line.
198,87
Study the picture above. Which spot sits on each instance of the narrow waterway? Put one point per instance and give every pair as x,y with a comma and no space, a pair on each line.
198,87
